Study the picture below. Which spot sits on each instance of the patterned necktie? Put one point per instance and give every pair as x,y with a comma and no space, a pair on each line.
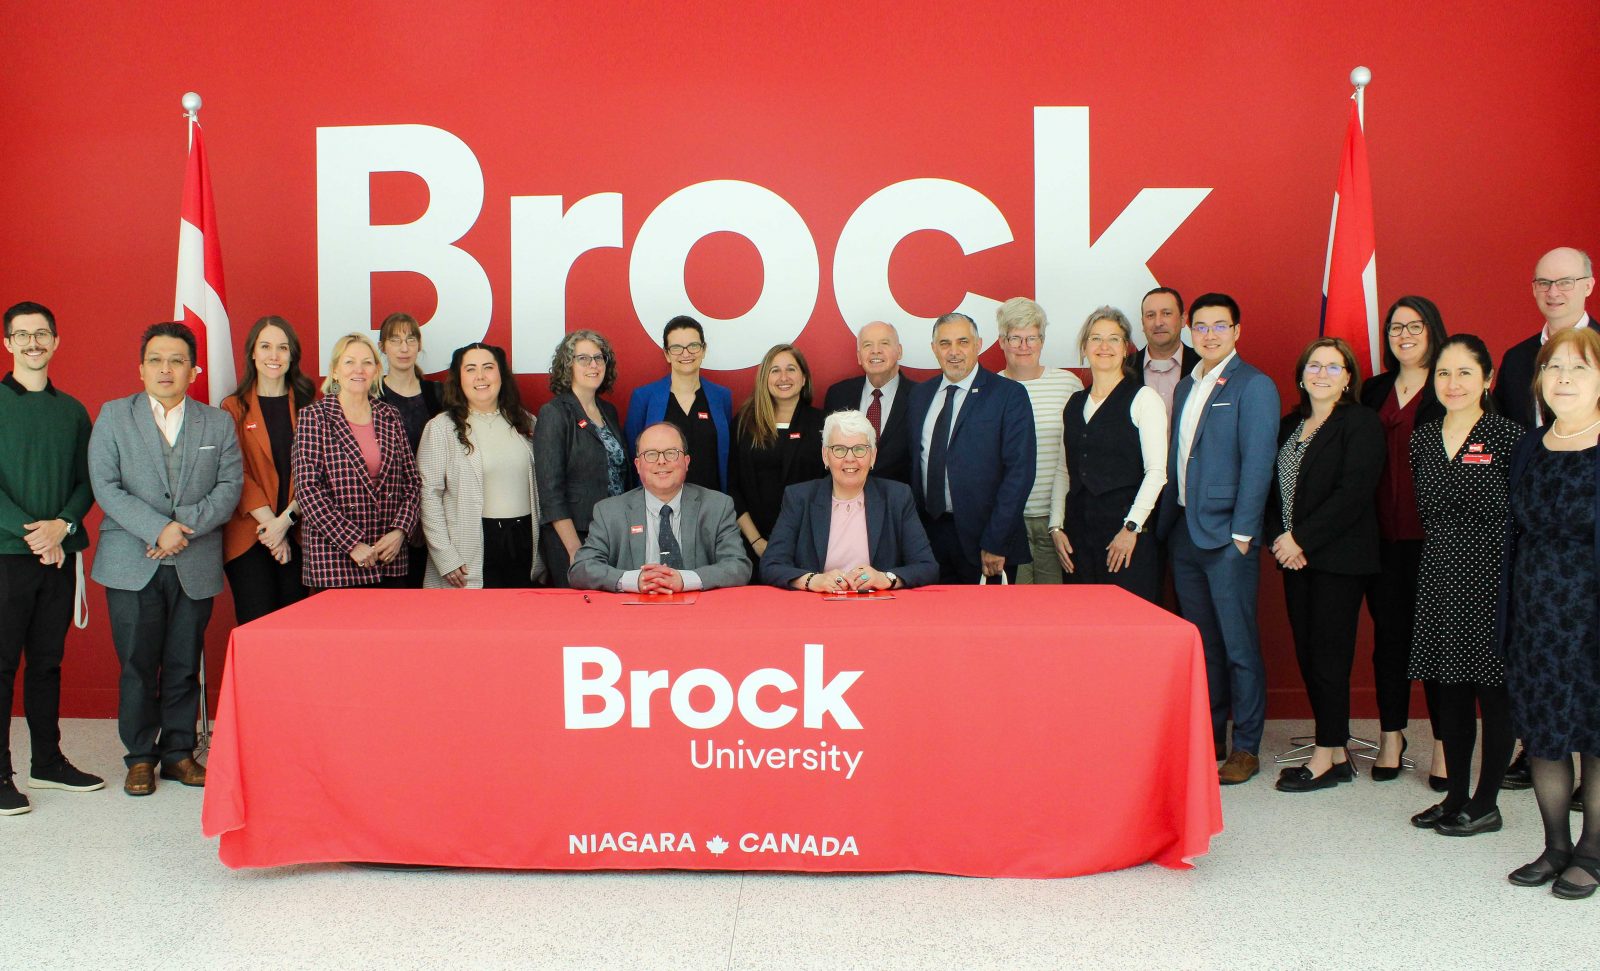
667,543
941,442
875,411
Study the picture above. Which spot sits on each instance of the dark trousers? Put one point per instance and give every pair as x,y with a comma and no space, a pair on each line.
507,553
1092,522
1217,593
958,564
1324,609
1392,601
416,568
554,553
1457,710
159,633
35,612
261,584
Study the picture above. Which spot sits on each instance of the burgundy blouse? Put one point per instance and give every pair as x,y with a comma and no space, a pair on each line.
1397,492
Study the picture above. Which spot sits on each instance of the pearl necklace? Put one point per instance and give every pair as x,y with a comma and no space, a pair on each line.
1574,434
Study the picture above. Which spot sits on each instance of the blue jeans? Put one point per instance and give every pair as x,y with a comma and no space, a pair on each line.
1217,593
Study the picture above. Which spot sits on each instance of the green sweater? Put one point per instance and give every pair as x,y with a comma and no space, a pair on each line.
44,464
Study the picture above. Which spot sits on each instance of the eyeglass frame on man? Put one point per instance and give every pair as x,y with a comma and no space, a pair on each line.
24,337
656,456
1564,285
1204,329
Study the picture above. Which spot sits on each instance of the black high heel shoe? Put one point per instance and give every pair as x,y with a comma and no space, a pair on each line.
1381,773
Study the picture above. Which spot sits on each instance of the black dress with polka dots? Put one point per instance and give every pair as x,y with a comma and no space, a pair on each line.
1462,499
1552,660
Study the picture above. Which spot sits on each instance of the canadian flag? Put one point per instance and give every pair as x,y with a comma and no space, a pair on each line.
1350,280
202,298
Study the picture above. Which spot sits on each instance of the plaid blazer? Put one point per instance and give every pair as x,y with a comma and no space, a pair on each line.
340,504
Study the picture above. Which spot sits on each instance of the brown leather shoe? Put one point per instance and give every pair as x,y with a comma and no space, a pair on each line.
141,780
1240,767
189,772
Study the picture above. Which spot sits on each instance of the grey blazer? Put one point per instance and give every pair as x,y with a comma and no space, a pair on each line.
129,478
452,504
712,546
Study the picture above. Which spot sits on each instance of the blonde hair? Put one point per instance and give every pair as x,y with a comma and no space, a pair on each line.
1020,312
339,347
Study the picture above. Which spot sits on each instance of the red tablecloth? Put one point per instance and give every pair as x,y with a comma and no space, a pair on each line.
1037,731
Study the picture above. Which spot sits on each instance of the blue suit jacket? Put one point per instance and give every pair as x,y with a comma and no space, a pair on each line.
990,464
649,405
895,540
1230,461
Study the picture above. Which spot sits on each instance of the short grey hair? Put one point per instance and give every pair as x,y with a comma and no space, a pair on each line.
1588,264
1020,312
848,423
951,318
1105,313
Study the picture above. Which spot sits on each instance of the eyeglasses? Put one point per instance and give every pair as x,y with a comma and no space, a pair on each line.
668,455
588,360
840,451
1331,370
1204,329
1565,284
175,363
1566,370
410,340
1414,328
1020,340
693,347
25,337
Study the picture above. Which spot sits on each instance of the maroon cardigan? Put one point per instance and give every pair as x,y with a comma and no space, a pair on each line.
341,505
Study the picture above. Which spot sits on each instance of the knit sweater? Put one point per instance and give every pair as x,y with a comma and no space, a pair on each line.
44,464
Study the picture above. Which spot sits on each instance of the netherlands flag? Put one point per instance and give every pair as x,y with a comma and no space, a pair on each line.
1350,279
201,299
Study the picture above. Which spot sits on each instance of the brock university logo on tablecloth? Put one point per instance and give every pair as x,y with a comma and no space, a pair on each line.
760,701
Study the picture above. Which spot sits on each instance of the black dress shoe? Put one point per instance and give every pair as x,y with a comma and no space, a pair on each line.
1461,824
1438,783
1382,773
1567,890
1300,779
1541,871
1429,818
1518,775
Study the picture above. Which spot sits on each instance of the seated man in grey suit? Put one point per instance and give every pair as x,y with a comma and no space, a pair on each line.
664,537
167,472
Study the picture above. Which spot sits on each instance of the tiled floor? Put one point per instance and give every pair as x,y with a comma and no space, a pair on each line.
1327,880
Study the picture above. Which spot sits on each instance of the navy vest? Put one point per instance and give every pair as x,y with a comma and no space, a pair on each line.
1103,453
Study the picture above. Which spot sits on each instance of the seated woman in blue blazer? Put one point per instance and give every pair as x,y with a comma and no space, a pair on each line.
848,531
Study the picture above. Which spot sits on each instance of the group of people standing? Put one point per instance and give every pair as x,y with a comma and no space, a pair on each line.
1473,541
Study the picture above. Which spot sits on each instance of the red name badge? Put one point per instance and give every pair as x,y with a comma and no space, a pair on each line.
1477,458
636,529
583,423
794,434
704,416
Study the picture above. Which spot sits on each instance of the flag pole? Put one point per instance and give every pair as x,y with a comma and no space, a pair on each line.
1360,77
191,109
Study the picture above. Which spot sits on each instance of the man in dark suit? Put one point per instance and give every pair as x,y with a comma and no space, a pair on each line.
1224,441
883,394
1562,280
167,471
667,536
973,458
1165,359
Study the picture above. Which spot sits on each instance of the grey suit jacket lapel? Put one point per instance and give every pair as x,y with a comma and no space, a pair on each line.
190,438
144,421
634,514
688,528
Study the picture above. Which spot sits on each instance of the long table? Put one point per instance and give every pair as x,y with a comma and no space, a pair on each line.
1032,732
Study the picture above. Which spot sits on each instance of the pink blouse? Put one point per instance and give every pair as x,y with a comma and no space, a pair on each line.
847,534
368,440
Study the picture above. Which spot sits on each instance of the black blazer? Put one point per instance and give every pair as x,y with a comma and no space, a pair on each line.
570,460
1375,392
1514,395
1188,357
894,445
1519,464
896,542
1335,508
759,494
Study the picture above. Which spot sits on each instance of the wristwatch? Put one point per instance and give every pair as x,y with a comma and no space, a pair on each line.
894,581
72,527
1130,526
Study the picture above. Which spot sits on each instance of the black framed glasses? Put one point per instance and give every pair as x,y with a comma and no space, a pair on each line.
840,451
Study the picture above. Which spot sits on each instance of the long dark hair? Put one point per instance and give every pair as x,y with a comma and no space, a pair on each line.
758,417
1474,345
509,402
301,390
1431,321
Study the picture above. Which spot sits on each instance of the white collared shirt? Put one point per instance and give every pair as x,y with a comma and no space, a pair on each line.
890,388
170,422
932,418
652,546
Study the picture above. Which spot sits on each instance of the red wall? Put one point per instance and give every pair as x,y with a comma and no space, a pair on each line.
1483,140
